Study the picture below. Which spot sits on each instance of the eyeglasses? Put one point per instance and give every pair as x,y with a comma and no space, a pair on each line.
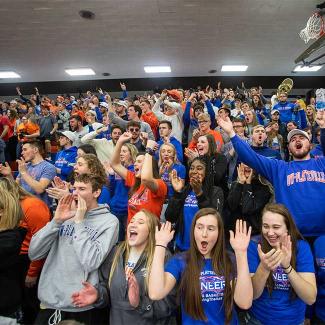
134,129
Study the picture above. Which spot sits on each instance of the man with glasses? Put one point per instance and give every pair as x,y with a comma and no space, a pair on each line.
204,122
134,114
134,128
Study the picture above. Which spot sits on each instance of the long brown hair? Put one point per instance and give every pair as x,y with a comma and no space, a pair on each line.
190,289
124,247
292,231
94,165
9,184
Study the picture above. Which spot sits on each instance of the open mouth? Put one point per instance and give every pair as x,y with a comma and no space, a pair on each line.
204,245
133,234
298,146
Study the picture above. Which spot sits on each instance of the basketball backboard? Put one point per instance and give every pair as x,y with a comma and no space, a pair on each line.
314,47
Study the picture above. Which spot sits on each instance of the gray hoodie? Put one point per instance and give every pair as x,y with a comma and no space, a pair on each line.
74,253
148,312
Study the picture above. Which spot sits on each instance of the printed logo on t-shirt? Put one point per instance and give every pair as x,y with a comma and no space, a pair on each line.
212,286
320,262
136,199
305,176
190,201
280,278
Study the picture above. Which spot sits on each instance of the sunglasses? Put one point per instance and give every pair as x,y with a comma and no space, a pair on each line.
134,129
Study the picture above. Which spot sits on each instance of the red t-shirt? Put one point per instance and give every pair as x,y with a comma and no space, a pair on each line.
144,198
4,120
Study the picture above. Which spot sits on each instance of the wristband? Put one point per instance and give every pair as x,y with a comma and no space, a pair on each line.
289,271
150,151
161,246
285,268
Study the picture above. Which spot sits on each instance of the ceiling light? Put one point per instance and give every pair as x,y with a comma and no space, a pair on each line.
234,67
310,68
80,72
157,69
9,74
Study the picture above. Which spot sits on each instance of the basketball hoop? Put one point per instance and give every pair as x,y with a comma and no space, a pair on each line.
314,29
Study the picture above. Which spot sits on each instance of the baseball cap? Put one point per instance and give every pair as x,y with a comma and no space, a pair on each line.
104,104
175,94
92,112
274,111
68,134
225,108
295,132
122,103
204,117
13,102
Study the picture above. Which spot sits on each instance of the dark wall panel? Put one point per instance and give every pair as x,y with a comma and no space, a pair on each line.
147,84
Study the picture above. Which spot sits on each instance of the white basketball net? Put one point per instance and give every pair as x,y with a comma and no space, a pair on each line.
313,29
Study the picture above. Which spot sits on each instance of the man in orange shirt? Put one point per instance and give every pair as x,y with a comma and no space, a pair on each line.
27,130
204,122
149,117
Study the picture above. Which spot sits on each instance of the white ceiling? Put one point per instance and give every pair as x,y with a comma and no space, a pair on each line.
39,39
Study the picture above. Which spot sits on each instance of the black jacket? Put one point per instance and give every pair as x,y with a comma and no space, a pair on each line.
10,277
174,211
246,201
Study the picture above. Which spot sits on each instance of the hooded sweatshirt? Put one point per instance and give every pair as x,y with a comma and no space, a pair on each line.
65,160
74,254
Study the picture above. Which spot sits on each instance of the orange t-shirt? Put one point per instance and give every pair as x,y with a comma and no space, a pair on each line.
36,216
217,137
28,128
152,120
144,198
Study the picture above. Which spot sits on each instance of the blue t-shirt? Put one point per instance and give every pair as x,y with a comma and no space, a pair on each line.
299,185
319,250
181,173
189,210
212,291
280,308
104,196
41,170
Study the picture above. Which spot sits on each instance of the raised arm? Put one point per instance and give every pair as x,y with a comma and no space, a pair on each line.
266,167
116,163
146,171
243,294
161,282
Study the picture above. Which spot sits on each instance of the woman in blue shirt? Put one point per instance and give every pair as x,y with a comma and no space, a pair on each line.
204,272
282,270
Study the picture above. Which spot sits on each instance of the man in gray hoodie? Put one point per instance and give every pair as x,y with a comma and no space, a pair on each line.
75,244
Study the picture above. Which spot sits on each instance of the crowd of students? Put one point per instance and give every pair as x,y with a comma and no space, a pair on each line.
179,207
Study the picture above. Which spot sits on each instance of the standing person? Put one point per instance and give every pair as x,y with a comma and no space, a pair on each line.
48,126
285,108
26,130
291,179
165,133
207,284
149,117
35,173
147,191
124,284
204,121
247,197
119,192
36,215
134,114
78,129
66,158
11,238
75,244
63,117
282,270
274,139
187,200
173,112
167,163
311,121
104,147
251,121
